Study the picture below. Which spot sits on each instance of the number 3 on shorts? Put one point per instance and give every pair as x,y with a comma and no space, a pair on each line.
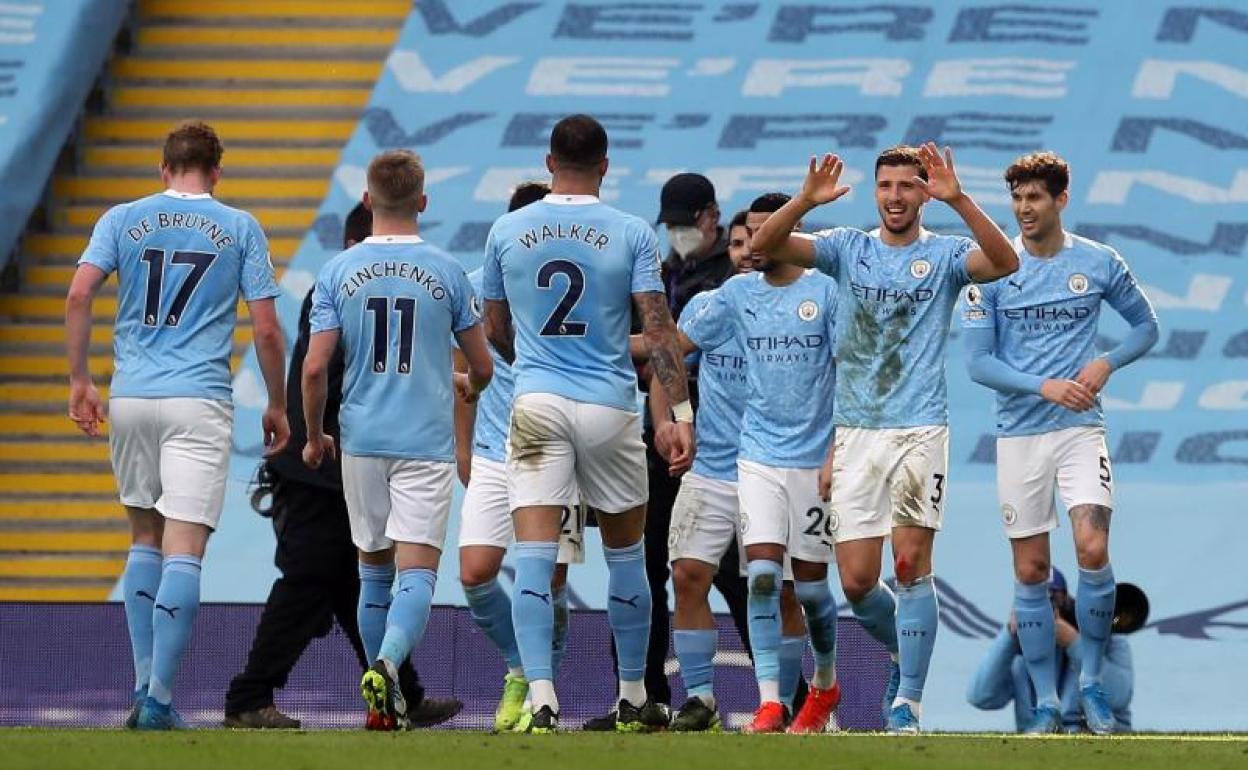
938,490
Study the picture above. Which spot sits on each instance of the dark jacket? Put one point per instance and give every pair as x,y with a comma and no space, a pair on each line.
289,463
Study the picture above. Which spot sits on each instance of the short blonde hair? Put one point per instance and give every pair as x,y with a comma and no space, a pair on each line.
396,180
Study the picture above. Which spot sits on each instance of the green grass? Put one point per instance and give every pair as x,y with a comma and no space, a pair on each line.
357,750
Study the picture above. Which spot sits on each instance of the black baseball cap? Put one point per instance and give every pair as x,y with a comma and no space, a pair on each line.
683,196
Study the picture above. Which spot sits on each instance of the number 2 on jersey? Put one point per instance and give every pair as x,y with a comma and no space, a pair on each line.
380,308
199,261
558,324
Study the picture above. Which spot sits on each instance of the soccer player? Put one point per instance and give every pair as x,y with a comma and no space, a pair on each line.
565,270
784,318
1032,338
485,518
898,287
395,302
182,260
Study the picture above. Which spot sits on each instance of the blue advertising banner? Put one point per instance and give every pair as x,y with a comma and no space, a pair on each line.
50,55
1148,101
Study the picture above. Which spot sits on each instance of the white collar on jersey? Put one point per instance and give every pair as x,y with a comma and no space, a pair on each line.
924,234
394,239
570,200
187,196
1068,240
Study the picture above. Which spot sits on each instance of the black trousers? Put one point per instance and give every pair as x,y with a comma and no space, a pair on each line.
320,583
728,580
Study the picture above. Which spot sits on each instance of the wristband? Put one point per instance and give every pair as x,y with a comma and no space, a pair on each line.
683,412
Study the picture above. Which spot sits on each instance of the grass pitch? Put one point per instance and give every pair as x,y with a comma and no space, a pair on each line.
242,750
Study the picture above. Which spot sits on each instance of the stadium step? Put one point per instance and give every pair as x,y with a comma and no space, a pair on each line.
283,82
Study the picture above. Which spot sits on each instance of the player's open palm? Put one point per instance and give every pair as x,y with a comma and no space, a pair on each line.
823,180
942,181
86,408
1068,393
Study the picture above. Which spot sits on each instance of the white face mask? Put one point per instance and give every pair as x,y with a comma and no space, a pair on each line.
685,239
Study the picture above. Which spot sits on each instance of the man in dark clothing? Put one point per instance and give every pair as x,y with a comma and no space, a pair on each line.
320,580
698,262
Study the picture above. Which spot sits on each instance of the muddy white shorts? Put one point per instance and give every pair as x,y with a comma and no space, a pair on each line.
485,514
888,477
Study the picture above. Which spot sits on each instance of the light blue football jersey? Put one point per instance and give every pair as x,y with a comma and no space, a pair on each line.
787,333
569,265
182,261
895,310
723,389
397,302
489,435
1045,320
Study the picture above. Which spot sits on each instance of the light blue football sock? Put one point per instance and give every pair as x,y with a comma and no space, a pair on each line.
491,609
559,639
695,649
792,649
1094,607
376,580
763,605
816,599
628,608
917,619
173,615
877,612
532,607
1037,637
139,583
409,614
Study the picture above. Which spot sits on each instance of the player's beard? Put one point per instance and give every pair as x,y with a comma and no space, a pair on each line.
764,264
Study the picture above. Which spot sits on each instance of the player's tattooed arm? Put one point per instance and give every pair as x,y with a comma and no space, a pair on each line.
498,328
663,343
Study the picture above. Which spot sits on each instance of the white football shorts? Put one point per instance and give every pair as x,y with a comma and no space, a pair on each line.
888,477
1074,462
172,454
485,514
393,499
704,519
782,505
558,446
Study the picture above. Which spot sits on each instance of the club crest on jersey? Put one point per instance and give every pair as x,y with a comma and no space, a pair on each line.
808,311
1008,514
919,268
973,294
1078,283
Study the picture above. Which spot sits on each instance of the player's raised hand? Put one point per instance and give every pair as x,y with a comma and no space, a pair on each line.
86,408
1073,395
1094,375
317,449
942,181
823,180
276,430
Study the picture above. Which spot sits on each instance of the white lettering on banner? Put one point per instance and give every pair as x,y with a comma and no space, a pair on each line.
296,283
730,180
414,76
17,23
873,77
1113,187
1156,397
1156,78
1024,78
600,76
986,185
497,182
354,179
1204,292
1223,396
711,67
